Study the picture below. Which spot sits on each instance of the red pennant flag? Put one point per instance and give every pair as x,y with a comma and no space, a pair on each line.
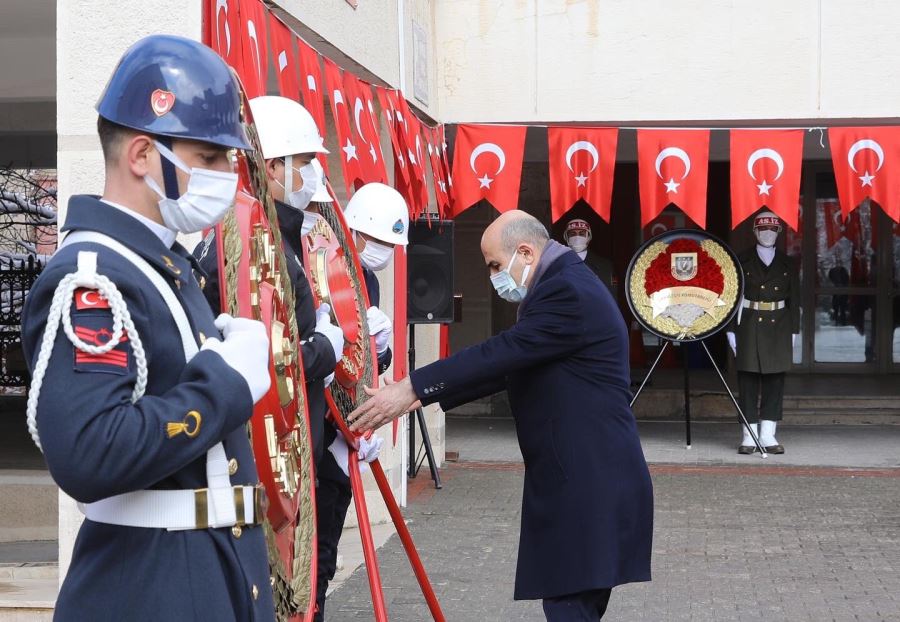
253,44
672,168
487,164
311,87
765,171
445,164
364,136
225,32
582,162
867,164
350,158
409,129
441,191
285,61
389,110
834,226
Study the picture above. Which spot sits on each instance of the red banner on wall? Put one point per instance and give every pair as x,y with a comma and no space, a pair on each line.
311,87
582,163
255,48
672,168
765,171
347,151
285,60
487,162
225,32
867,164
363,132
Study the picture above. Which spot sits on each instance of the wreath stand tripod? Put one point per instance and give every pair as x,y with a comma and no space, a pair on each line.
687,394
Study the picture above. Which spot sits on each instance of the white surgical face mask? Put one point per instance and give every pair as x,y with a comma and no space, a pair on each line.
766,237
209,195
375,256
578,243
299,199
505,284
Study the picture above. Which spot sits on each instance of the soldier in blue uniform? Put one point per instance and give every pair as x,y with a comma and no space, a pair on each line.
379,219
147,430
290,140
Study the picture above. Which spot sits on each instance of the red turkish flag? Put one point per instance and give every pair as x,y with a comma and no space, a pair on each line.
765,172
365,135
487,164
867,164
224,32
834,227
672,168
253,44
350,158
386,101
441,191
311,88
582,161
285,60
409,131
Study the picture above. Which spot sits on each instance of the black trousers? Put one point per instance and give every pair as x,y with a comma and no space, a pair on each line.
333,497
581,607
767,406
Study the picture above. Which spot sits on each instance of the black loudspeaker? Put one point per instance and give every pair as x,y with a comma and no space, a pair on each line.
429,272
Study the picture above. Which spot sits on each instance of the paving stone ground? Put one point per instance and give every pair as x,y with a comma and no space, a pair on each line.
731,542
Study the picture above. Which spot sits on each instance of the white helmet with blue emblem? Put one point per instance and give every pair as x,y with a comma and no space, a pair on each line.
379,211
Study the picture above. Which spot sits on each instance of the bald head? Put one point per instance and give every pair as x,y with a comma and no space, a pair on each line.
514,233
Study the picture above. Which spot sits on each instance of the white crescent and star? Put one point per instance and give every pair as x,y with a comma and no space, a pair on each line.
769,154
865,143
282,60
311,83
222,5
358,107
483,148
673,152
251,32
88,300
582,145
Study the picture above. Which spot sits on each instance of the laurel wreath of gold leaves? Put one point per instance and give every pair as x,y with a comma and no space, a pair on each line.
706,322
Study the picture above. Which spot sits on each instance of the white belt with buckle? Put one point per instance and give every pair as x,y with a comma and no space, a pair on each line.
177,510
764,306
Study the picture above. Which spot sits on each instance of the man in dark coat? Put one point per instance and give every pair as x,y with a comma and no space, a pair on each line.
587,507
763,333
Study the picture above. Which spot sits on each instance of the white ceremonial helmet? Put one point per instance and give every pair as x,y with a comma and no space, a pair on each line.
379,211
285,127
321,194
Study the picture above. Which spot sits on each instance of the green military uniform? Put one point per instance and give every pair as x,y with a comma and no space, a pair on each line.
764,334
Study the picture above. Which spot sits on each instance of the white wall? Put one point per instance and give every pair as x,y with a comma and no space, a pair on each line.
91,35
621,60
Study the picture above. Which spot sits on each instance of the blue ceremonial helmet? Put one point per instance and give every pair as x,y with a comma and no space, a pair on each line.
175,87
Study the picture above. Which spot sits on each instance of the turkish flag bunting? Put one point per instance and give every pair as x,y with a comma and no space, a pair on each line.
224,32
582,161
386,101
672,168
487,164
311,87
350,158
365,136
253,44
834,226
409,132
867,164
765,171
433,139
285,59
445,164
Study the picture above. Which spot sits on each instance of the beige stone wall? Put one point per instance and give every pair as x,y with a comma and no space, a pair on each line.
620,60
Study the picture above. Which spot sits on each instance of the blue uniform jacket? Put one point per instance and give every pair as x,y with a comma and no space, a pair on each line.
587,506
98,444
316,352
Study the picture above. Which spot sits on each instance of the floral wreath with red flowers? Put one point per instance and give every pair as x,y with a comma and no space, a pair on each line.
685,287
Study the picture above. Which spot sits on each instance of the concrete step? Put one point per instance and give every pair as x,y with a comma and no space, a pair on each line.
29,503
28,591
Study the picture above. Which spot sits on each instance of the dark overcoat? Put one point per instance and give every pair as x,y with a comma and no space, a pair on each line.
98,444
764,343
587,506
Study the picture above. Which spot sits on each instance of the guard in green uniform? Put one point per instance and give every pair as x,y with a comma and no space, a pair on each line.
764,331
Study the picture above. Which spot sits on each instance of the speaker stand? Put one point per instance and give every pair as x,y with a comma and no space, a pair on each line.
415,461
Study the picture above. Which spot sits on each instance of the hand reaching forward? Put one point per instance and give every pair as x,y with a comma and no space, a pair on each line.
385,404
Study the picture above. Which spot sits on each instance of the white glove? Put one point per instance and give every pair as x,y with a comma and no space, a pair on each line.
367,452
333,333
794,339
380,327
732,341
245,349
329,379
